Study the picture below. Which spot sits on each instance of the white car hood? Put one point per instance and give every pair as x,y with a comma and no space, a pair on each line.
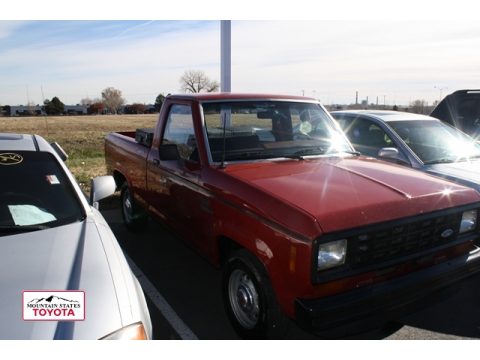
70,257
464,172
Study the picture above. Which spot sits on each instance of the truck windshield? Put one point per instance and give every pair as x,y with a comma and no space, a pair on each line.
35,194
251,130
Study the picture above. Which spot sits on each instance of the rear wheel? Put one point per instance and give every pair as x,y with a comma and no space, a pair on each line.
249,299
135,219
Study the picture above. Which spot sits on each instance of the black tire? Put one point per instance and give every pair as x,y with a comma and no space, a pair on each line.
134,218
249,300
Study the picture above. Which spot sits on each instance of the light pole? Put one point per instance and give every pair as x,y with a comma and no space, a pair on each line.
225,56
440,89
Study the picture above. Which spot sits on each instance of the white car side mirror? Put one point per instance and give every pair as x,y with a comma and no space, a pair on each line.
391,153
101,188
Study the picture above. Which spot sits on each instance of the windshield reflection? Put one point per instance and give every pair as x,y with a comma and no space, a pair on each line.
435,142
251,130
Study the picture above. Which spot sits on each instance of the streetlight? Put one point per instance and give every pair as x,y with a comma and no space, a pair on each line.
440,89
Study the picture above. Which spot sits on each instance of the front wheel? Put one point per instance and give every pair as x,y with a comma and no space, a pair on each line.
134,218
249,299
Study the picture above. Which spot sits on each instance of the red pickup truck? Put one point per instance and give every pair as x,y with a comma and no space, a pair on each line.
303,227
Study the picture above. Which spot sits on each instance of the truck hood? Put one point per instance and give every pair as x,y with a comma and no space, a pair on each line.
464,172
342,193
69,257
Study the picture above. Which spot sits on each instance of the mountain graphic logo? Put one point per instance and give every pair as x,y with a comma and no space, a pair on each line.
53,305
51,299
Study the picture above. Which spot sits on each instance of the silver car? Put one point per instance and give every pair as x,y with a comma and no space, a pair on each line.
63,273
418,141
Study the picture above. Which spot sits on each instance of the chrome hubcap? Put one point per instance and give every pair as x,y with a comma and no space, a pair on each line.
244,298
127,206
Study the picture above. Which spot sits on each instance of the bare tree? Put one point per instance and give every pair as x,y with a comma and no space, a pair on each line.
418,106
112,99
195,81
31,107
86,101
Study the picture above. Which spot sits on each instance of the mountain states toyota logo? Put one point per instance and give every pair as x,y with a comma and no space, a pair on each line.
53,305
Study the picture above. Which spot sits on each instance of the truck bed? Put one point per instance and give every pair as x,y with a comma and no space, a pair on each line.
129,158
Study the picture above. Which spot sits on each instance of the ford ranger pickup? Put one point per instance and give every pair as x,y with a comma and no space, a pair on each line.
303,227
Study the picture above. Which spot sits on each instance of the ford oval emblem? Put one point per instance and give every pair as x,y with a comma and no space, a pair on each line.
446,233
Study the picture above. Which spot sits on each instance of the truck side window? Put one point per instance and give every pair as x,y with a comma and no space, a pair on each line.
179,130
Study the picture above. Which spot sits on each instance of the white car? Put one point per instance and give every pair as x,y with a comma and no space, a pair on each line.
63,274
418,141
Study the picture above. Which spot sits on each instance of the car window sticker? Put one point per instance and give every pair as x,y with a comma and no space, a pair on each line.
24,215
52,179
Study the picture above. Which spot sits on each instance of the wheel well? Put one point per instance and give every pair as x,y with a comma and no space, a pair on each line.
119,179
226,247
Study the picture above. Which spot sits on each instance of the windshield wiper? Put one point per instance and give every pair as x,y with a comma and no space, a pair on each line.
351,152
439,161
465,158
260,155
312,150
248,155
21,228
450,160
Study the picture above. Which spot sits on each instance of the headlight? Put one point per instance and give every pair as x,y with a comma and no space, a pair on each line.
131,332
331,254
469,221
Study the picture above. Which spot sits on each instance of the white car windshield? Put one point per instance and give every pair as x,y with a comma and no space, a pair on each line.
35,194
251,130
435,142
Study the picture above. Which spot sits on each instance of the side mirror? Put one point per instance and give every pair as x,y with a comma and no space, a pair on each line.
392,154
169,152
101,188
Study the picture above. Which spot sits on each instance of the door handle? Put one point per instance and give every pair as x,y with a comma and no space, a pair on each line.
156,162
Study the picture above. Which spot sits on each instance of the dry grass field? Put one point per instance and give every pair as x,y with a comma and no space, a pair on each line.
82,137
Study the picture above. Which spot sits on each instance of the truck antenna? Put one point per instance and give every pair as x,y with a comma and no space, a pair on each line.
224,120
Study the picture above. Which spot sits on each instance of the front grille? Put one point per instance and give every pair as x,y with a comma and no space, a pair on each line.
402,240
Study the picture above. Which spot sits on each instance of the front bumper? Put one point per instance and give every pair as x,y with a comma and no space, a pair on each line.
386,301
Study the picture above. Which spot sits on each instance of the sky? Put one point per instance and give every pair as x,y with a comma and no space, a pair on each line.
388,61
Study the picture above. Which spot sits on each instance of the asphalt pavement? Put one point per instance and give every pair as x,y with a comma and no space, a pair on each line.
184,294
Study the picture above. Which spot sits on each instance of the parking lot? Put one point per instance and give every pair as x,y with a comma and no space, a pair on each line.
184,297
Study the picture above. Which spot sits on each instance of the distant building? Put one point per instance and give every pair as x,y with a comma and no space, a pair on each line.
76,109
23,110
37,110
150,109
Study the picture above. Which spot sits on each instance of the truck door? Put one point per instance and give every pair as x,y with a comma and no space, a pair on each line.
174,172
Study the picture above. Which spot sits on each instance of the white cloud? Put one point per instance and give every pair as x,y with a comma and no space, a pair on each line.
7,28
141,68
334,59
398,60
